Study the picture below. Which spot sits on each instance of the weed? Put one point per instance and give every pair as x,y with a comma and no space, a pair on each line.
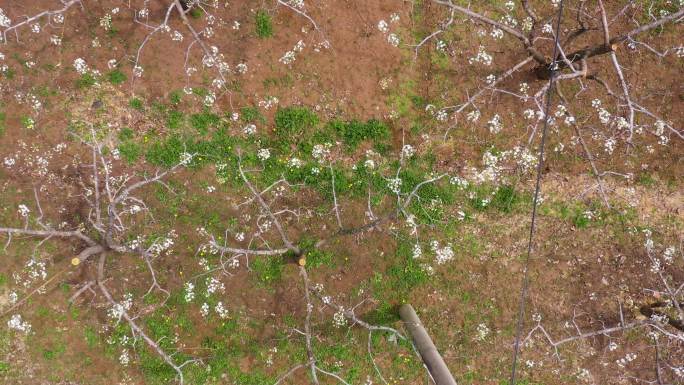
354,132
268,270
126,134
130,151
3,118
292,122
505,198
86,80
91,337
251,114
202,121
175,97
136,104
175,119
116,77
264,24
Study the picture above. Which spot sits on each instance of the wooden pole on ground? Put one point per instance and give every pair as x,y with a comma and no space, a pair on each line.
428,352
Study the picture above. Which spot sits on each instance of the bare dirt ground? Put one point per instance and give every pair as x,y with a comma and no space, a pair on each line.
359,113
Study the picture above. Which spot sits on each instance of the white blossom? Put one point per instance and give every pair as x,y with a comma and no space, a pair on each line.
338,318
263,154
189,291
393,39
407,151
383,26
16,323
494,124
124,358
482,332
24,210
80,66
394,184
249,129
221,310
4,20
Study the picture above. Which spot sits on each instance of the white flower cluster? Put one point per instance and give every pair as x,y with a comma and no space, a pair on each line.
214,285
269,102
263,154
407,151
495,124
295,163
441,46
441,115
392,38
35,270
80,66
524,88
163,244
417,251
458,181
622,362
23,210
562,112
210,98
481,57
221,310
106,22
442,254
473,116
394,184
4,20
338,318
124,358
117,311
679,51
249,129
299,4
383,26
609,145
482,332
189,291
321,152
16,322
660,132
185,158
509,20
290,56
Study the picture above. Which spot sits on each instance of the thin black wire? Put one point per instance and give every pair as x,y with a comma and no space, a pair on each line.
540,164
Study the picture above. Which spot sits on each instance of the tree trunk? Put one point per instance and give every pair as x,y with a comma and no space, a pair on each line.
428,352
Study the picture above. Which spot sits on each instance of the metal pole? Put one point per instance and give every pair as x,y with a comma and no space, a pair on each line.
428,352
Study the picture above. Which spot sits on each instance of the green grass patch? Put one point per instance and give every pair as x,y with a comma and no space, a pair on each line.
268,269
202,121
116,77
354,132
263,24
86,80
3,119
292,123
136,104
